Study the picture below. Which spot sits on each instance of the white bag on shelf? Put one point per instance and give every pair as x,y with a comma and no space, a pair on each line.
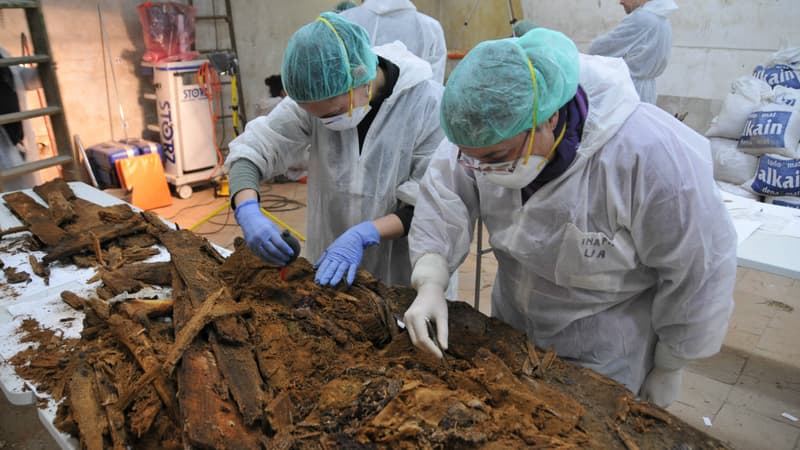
747,93
731,164
787,96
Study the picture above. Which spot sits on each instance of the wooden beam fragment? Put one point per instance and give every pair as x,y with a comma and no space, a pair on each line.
86,409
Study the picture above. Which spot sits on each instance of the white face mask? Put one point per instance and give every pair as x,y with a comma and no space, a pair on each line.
523,174
344,121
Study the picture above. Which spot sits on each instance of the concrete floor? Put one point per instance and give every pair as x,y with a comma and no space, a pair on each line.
743,391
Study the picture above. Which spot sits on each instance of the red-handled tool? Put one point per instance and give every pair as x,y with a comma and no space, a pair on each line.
295,245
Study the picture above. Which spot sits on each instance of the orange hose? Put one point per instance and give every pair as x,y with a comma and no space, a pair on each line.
212,88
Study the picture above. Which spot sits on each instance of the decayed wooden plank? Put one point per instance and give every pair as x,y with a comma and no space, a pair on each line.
78,243
196,269
107,396
36,216
131,335
210,419
57,186
157,273
244,380
86,408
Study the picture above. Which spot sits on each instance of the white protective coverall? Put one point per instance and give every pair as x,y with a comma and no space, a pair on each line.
345,188
644,40
631,244
398,20
25,79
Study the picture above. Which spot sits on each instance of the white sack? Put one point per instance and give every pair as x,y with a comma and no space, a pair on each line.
772,128
776,176
747,93
731,164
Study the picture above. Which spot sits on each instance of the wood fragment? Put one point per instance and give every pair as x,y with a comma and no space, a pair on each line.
42,270
61,210
72,299
239,368
649,410
107,396
140,309
86,408
101,307
78,243
549,359
36,216
157,273
208,312
13,230
626,439
14,276
139,345
622,408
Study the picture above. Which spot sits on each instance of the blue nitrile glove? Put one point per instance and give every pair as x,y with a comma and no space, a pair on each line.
345,254
262,236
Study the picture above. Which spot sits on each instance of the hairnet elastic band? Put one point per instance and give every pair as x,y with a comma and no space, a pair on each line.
346,58
535,105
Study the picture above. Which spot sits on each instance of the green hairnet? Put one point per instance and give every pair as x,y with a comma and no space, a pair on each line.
523,26
341,6
489,97
321,63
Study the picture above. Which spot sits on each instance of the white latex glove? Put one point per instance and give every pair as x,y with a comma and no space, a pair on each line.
430,278
663,383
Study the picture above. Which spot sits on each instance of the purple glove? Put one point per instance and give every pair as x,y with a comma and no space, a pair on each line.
262,236
345,254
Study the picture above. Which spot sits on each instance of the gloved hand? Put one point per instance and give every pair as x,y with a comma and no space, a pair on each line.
262,236
430,278
345,254
663,383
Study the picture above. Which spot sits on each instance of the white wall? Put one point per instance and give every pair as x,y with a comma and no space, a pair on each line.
714,41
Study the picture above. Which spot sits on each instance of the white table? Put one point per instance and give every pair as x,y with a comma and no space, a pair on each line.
774,246
43,303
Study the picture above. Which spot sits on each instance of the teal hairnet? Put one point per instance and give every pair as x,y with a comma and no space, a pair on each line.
321,63
523,26
341,6
489,97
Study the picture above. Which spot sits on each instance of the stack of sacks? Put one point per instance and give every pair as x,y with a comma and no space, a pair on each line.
754,139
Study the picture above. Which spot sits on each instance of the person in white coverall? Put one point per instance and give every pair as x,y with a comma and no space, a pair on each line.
398,20
644,40
369,119
612,241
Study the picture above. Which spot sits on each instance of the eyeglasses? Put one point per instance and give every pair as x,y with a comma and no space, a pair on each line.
477,165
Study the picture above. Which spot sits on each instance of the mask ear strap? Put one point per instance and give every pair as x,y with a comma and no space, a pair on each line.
555,145
535,106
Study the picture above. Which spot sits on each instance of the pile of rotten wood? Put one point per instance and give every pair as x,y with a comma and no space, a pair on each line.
240,358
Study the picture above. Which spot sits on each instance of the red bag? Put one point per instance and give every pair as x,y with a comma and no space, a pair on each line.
168,30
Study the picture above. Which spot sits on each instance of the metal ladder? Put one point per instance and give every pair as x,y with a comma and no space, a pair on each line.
228,19
47,76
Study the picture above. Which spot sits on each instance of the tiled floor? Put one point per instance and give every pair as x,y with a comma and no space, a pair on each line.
743,391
